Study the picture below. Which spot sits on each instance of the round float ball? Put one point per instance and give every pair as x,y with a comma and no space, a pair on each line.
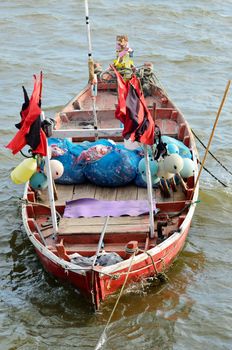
188,168
173,163
155,180
161,170
153,166
166,176
144,178
38,181
172,148
162,173
142,167
57,169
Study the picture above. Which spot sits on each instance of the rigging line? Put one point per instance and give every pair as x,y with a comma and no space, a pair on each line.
212,134
222,183
223,166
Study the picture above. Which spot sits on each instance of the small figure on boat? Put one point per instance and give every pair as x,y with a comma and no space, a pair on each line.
124,55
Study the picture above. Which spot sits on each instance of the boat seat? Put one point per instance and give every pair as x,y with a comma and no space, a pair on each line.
123,224
168,127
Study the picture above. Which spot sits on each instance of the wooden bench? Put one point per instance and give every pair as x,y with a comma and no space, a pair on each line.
125,224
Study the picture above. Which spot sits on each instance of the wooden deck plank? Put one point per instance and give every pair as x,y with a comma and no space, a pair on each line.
105,193
129,192
125,229
123,224
65,193
142,193
84,191
125,220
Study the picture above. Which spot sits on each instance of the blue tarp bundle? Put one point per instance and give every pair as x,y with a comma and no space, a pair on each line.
103,162
117,167
67,153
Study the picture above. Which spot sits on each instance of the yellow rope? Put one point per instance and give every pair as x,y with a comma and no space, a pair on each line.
91,70
101,339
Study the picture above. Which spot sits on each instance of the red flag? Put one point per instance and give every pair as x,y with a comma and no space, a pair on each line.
132,111
30,132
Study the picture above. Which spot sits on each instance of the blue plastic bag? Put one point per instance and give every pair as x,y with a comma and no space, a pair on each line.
67,153
117,168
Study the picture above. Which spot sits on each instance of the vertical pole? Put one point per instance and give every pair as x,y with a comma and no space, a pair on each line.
50,188
149,192
92,76
88,28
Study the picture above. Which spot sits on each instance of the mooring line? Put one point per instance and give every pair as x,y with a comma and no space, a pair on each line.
102,337
211,136
209,172
219,162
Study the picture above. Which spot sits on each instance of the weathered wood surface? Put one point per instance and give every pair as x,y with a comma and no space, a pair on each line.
125,224
130,192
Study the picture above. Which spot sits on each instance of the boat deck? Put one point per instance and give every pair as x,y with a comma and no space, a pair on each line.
130,192
82,234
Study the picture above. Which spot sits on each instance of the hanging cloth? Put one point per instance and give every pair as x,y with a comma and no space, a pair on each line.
30,132
132,111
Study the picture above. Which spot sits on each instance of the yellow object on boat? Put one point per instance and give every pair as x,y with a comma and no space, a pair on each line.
123,62
23,172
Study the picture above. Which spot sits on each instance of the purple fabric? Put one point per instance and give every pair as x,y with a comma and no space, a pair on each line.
90,207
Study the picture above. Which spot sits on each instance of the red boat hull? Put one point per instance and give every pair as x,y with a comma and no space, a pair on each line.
158,240
96,286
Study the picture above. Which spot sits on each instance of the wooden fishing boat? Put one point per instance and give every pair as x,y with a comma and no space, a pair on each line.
145,248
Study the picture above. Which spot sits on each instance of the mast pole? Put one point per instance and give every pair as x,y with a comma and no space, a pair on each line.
92,76
50,188
88,29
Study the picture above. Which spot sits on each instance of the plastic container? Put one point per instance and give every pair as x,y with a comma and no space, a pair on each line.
23,172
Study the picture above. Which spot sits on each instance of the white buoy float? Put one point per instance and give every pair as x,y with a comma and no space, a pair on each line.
173,163
57,169
188,168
